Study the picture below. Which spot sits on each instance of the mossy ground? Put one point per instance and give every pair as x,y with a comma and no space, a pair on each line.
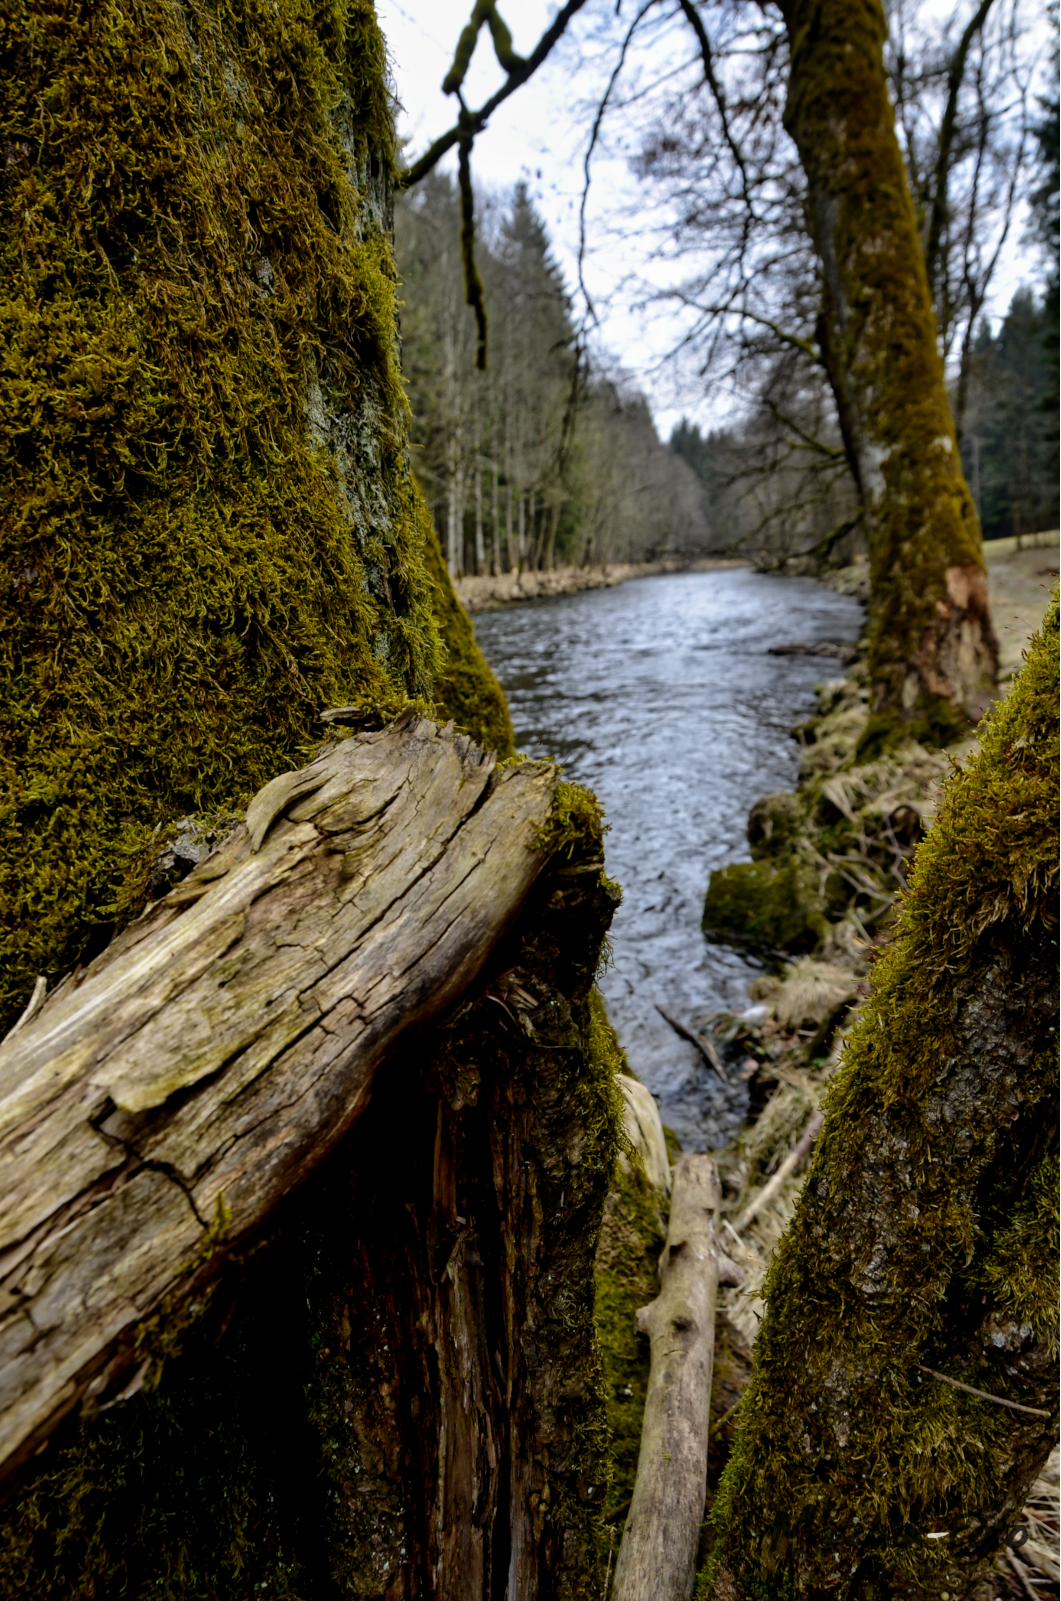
829,859
210,530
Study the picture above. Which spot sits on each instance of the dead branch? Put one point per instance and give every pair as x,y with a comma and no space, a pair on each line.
703,1045
657,1558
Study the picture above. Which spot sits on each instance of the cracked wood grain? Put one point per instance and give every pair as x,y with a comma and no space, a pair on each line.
204,1064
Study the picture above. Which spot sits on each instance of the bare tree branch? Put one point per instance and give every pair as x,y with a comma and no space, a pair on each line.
477,120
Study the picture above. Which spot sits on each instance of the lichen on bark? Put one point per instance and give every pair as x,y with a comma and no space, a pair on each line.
933,654
926,1235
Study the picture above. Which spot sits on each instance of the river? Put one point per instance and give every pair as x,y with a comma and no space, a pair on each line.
661,696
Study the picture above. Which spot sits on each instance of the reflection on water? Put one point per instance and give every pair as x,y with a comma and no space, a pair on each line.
660,696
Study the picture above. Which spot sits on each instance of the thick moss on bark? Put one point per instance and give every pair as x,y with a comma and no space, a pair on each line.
465,687
210,529
399,1392
927,1231
933,655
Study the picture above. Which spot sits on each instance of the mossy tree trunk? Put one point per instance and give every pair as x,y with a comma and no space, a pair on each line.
926,1235
209,529
210,533
933,655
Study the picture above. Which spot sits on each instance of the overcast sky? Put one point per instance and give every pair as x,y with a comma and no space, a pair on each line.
540,135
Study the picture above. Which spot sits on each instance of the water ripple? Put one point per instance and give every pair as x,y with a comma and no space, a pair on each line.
660,695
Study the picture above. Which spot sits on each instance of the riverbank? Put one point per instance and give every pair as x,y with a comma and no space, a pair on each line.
487,593
1020,575
828,859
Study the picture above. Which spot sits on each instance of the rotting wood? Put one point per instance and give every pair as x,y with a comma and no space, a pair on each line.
657,1557
166,1098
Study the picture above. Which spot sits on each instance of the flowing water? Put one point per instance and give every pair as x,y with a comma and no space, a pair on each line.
661,696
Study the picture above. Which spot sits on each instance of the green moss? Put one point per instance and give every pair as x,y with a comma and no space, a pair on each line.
773,825
465,687
632,1237
926,1232
764,906
575,820
210,528
171,1494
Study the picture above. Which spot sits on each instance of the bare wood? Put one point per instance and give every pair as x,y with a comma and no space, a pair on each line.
209,1059
798,1155
657,1558
703,1045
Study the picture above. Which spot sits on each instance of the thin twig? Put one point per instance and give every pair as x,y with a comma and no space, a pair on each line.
723,1418
1022,1574
704,1046
478,119
611,1549
473,283
798,1154
999,1400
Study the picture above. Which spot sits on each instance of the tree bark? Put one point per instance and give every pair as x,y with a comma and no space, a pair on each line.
933,655
657,1559
925,1238
164,1100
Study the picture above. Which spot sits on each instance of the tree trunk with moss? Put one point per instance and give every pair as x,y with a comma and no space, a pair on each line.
393,1391
926,1235
933,655
209,1058
209,529
211,533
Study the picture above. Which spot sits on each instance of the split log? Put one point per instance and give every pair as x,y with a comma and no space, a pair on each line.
164,1100
657,1558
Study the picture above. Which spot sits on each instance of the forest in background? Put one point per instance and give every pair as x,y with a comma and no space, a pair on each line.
550,456
544,458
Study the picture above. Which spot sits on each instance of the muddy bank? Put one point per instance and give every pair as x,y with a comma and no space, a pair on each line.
486,593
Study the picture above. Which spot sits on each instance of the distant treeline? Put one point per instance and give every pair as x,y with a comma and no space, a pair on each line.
544,458
775,491
1010,443
541,459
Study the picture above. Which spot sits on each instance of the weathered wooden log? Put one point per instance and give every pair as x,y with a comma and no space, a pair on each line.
167,1097
657,1559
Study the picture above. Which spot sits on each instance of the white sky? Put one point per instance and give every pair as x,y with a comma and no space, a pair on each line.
540,135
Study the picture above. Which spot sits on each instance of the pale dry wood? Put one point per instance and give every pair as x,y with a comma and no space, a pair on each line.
176,1090
798,1154
657,1558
